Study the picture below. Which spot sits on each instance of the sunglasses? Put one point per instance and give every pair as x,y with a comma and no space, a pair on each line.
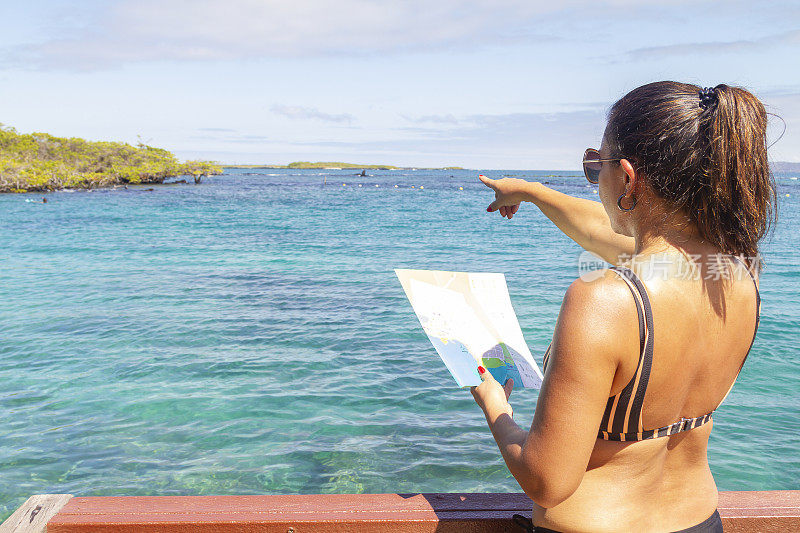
592,164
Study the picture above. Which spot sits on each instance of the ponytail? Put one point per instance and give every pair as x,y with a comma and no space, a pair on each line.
704,150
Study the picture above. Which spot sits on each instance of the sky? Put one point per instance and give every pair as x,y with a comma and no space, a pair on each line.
497,84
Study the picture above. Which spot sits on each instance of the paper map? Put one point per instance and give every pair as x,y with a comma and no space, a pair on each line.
470,321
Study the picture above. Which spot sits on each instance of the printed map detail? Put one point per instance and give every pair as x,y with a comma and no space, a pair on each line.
470,321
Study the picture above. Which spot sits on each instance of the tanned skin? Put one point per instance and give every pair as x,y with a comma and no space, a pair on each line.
702,331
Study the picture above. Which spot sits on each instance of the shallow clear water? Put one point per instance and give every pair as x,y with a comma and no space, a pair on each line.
249,336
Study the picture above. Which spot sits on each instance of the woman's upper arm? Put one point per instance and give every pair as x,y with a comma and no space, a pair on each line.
592,331
604,241
608,244
584,221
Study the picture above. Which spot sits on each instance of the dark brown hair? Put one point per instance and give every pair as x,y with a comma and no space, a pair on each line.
708,160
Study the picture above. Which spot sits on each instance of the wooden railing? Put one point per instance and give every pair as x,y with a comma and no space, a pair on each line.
762,512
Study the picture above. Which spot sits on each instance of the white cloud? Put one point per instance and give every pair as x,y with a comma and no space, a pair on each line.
515,140
435,119
127,31
305,113
790,38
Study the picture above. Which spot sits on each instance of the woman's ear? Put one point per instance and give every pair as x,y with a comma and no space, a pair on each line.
630,177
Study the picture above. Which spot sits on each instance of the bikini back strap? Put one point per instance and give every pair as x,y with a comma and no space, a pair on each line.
684,424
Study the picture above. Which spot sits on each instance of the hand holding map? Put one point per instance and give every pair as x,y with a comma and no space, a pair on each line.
469,319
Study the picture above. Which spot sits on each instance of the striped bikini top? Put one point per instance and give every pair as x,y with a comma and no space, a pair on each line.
622,419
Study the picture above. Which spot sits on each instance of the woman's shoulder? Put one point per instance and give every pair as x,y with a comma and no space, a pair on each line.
598,316
603,288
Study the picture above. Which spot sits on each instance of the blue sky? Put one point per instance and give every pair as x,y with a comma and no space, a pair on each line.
480,84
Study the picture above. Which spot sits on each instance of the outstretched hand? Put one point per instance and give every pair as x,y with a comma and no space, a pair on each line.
491,396
508,194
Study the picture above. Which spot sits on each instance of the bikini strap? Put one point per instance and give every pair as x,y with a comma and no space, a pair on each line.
684,424
758,320
628,276
623,411
758,298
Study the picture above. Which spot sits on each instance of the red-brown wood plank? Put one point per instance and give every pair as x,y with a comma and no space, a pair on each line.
765,512
769,511
457,513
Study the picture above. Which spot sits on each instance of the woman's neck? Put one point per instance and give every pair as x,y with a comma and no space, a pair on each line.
658,233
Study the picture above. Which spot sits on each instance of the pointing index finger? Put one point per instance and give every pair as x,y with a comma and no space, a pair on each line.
486,181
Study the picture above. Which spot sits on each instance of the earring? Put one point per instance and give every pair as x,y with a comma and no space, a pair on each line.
619,203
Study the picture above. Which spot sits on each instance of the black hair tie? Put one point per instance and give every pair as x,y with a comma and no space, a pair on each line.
708,97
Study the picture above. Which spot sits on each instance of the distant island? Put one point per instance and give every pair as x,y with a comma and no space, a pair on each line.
776,166
334,165
42,162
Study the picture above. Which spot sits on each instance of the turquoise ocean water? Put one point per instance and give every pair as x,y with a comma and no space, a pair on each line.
249,336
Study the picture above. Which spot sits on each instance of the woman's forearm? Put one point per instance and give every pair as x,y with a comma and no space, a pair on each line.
584,221
510,439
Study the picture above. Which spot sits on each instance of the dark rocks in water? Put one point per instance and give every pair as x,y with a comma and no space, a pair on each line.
150,189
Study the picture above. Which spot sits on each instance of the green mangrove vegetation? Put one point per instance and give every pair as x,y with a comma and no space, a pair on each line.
42,162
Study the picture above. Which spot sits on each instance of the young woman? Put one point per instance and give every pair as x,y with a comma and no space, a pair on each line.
644,353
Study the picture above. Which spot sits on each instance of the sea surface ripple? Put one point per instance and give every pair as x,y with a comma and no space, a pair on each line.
248,336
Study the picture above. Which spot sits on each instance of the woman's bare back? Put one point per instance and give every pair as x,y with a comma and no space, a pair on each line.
702,330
